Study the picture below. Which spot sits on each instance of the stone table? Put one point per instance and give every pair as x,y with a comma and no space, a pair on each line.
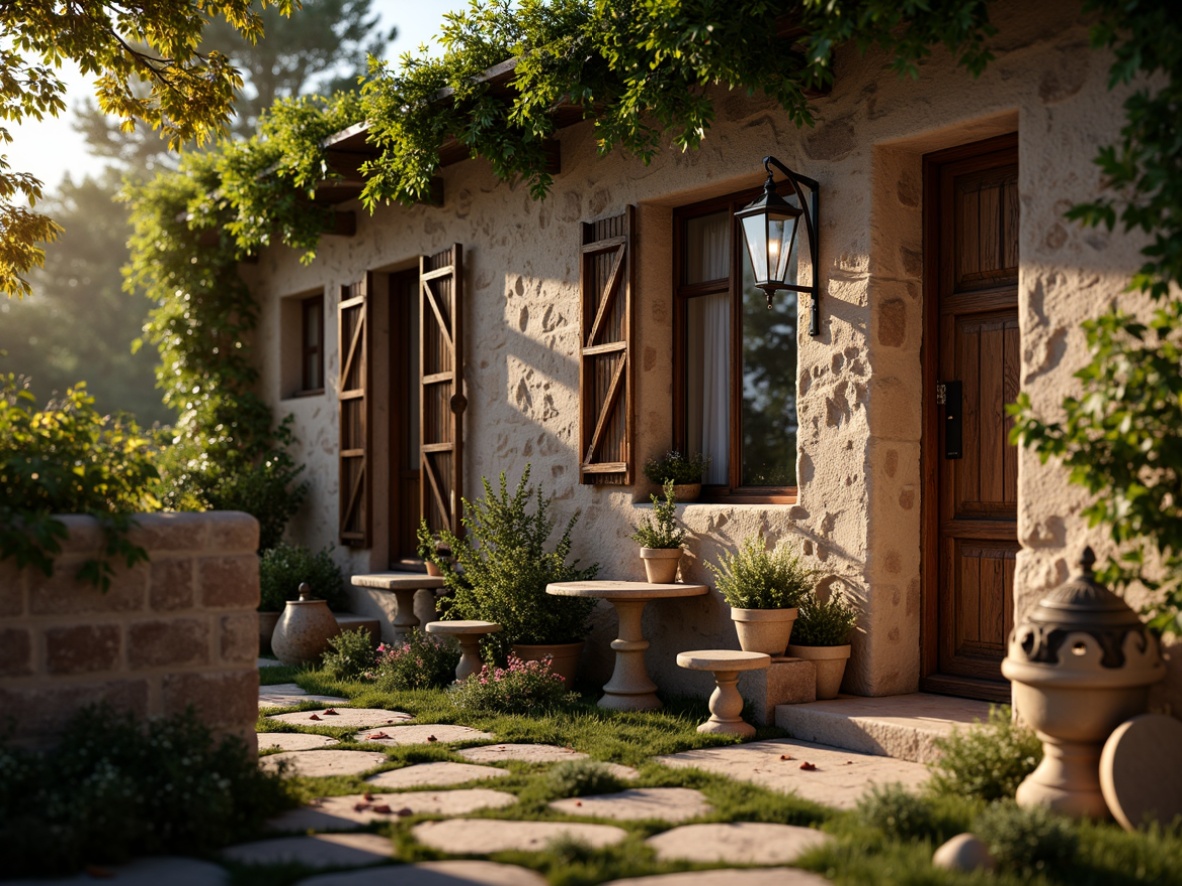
629,688
403,585
467,634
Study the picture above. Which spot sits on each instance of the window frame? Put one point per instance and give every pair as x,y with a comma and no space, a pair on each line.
731,492
311,355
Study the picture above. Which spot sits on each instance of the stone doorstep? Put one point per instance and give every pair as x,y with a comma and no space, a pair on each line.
789,681
899,726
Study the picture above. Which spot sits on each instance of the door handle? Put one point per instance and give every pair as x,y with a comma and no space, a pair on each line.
953,419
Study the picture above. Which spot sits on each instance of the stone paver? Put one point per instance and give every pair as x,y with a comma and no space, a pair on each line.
404,735
434,873
472,836
424,775
664,804
319,851
317,764
293,741
730,877
838,780
526,753
737,843
356,718
144,872
284,695
354,811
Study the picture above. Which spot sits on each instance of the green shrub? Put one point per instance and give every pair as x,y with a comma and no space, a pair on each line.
824,622
581,778
284,567
504,567
350,655
69,459
664,533
520,688
1026,841
756,578
681,469
896,812
987,761
114,787
422,662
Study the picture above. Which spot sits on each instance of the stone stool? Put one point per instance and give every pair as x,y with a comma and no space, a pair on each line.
725,702
467,634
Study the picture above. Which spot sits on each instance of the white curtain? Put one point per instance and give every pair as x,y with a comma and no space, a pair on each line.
708,257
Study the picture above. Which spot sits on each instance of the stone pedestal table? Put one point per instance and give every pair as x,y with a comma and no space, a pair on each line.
403,585
726,704
467,634
630,688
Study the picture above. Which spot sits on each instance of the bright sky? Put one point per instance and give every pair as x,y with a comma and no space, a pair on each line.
51,148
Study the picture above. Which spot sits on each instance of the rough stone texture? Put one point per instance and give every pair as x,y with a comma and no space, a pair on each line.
858,511
434,873
239,637
739,877
293,741
661,804
357,718
147,645
483,836
839,779
283,695
145,872
229,581
525,753
746,842
404,735
315,764
354,811
320,851
423,775
788,681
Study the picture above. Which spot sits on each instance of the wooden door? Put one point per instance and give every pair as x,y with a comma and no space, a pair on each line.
403,354
971,298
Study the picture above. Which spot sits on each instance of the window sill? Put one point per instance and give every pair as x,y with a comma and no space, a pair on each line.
300,395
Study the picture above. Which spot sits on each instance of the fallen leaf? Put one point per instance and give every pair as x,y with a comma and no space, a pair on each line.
360,807
432,738
331,712
368,796
378,735
808,767
314,717
787,757
383,809
578,802
404,811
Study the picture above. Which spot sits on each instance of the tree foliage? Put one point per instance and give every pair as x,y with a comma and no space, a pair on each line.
189,98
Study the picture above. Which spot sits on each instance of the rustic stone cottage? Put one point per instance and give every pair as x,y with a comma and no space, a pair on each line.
583,334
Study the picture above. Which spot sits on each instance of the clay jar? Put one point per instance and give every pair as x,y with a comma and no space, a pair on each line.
304,629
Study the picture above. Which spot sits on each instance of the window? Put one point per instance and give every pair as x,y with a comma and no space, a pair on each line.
735,360
312,344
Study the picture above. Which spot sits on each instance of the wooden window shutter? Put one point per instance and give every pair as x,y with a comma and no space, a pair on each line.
355,492
442,401
605,362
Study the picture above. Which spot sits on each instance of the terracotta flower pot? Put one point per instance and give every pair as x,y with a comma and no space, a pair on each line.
660,564
565,657
763,630
830,664
687,491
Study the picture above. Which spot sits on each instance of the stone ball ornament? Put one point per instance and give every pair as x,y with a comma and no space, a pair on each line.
1081,663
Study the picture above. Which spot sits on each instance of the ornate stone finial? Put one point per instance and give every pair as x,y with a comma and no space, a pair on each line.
1087,560
305,591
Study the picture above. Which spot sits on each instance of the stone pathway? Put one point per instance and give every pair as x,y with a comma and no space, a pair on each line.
330,828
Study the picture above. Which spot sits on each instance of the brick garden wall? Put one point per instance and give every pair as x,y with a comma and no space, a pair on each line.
176,631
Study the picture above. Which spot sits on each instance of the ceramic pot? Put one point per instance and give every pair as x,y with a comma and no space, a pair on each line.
830,664
1081,663
763,630
304,629
687,491
432,569
565,657
267,623
660,564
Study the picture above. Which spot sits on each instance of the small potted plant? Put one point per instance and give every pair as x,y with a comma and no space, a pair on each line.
660,538
686,472
763,589
822,636
431,550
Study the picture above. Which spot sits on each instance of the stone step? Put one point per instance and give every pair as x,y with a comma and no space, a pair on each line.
900,726
349,621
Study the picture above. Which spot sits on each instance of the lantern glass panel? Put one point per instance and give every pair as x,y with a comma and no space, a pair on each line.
755,233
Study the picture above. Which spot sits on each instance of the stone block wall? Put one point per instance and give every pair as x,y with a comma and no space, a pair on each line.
176,631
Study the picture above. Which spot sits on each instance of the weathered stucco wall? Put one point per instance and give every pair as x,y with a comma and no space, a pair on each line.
859,509
176,631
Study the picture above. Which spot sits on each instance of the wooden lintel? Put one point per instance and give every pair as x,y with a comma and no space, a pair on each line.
340,224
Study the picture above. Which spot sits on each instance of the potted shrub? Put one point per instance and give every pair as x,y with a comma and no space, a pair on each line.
431,549
499,571
281,571
763,589
686,472
660,538
822,636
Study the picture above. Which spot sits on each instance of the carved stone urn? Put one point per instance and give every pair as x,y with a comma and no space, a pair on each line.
304,629
1081,663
